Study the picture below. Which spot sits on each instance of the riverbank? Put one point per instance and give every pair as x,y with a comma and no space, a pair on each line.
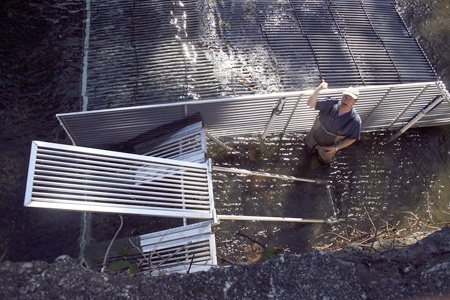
421,271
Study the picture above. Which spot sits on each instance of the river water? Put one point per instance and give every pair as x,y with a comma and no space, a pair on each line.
373,185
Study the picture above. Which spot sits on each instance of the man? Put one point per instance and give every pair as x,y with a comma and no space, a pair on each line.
337,126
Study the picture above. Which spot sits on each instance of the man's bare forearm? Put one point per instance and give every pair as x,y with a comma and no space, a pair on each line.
313,97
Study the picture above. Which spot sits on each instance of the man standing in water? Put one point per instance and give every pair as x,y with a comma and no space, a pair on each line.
337,126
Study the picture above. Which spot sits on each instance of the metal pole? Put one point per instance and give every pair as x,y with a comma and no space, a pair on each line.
217,141
438,100
292,113
269,175
274,219
276,111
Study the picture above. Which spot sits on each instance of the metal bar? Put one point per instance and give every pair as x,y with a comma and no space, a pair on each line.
292,113
417,118
31,173
264,174
385,95
211,192
274,219
407,107
218,142
87,32
275,112
120,209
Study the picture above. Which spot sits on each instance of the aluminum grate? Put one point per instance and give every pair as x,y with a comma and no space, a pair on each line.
380,107
145,52
84,179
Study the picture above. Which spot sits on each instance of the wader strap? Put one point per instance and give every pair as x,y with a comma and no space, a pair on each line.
327,114
346,123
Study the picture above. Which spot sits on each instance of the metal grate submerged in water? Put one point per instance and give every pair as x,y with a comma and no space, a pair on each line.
143,52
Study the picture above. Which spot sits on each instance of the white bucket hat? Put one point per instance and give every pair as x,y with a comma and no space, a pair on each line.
352,92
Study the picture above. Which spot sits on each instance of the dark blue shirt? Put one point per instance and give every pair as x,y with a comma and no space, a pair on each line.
348,124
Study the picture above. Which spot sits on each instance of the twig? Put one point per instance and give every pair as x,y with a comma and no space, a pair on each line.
371,221
250,238
142,253
110,244
344,238
154,252
324,247
427,195
172,255
356,229
3,256
190,265
227,260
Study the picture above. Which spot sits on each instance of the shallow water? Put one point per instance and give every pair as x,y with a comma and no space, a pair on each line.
40,76
371,184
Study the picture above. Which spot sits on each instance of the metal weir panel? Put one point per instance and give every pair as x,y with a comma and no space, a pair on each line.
380,107
84,179
346,42
147,52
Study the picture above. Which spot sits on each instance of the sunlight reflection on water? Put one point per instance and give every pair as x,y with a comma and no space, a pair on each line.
370,184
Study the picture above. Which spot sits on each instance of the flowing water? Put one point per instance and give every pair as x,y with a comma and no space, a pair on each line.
373,184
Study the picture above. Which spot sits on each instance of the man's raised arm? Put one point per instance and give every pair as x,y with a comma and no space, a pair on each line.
313,98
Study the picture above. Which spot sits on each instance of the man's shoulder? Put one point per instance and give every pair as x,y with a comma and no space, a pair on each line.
326,102
356,116
329,99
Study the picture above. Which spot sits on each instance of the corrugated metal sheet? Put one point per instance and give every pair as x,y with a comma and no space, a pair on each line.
380,107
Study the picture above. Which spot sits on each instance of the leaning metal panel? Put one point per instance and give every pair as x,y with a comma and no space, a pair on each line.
185,249
84,179
187,144
380,107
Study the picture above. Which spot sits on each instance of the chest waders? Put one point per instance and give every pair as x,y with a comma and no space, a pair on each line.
319,137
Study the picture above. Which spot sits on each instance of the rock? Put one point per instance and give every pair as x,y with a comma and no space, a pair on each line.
420,271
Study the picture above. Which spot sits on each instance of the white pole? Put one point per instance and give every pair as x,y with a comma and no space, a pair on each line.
274,219
276,111
264,174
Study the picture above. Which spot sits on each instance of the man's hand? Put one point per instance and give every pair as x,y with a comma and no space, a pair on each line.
330,149
323,85
313,98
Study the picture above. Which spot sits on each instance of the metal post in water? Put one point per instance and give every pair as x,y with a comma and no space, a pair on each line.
292,114
435,102
85,216
275,112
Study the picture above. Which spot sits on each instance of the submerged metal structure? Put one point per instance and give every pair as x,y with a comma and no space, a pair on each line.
147,52
235,68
